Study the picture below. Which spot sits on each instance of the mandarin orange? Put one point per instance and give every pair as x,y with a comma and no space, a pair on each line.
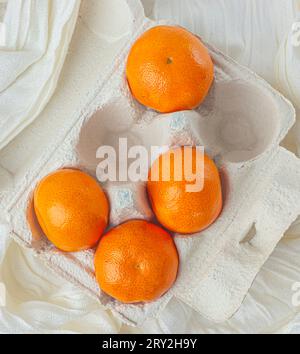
169,69
136,262
71,209
176,207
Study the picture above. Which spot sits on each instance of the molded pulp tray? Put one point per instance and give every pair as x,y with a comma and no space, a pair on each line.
241,124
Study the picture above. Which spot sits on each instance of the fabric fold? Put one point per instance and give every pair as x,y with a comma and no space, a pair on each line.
38,36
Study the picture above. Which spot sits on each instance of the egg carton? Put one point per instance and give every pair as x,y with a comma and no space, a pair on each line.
241,125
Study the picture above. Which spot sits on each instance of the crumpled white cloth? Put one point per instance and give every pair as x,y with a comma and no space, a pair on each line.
257,35
36,40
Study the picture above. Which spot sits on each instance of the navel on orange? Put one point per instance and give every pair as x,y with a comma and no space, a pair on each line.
71,209
177,208
169,69
136,262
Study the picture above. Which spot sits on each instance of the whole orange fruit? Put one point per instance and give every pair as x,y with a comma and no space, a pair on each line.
169,69
136,262
71,209
176,207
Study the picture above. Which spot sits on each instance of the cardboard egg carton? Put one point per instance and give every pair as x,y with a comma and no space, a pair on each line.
241,124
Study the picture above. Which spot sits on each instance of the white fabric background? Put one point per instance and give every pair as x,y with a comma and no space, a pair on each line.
259,36
37,38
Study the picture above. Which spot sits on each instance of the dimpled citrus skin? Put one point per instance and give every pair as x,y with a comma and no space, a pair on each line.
181,211
71,209
169,69
136,262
